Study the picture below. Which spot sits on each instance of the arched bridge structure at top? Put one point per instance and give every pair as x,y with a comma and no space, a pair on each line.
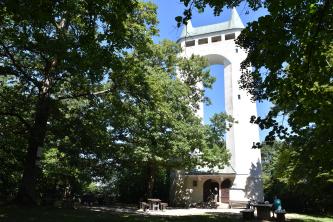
217,43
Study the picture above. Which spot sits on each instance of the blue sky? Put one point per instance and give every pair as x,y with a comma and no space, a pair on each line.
169,9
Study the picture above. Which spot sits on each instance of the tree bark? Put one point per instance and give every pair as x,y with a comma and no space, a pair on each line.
27,192
150,180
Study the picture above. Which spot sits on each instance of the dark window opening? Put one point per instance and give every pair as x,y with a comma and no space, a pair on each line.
216,38
190,43
203,41
230,36
238,96
195,183
236,50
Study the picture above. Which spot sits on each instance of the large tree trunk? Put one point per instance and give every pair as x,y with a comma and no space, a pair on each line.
27,191
150,180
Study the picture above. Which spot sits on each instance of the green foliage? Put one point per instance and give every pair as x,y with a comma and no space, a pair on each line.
130,184
87,88
159,121
284,175
56,51
154,125
290,50
60,179
12,135
217,7
297,81
92,188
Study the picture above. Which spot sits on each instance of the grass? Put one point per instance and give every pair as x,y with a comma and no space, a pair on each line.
308,218
18,214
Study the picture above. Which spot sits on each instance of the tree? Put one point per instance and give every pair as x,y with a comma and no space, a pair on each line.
298,82
284,173
12,135
155,126
293,44
55,51
217,6
60,180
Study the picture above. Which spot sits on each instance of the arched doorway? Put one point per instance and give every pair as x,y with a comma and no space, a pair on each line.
210,190
225,190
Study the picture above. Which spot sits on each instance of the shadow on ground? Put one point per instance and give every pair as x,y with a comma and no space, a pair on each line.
121,214
15,213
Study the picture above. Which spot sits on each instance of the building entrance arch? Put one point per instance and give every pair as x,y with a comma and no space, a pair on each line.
210,191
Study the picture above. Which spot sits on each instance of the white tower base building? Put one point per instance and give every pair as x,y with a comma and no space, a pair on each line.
241,181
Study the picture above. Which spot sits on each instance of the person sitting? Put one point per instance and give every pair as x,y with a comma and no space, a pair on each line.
276,204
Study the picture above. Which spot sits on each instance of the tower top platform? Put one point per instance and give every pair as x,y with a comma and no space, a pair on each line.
234,22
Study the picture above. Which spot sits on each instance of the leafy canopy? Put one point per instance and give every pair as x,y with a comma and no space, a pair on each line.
290,50
88,92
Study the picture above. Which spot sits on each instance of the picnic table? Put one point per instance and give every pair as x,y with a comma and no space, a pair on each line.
154,204
263,210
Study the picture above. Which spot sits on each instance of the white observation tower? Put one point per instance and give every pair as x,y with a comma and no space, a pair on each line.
242,179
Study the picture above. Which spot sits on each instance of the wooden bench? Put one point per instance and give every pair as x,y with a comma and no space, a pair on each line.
248,214
163,206
238,203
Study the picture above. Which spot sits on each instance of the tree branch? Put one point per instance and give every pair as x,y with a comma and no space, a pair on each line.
83,94
18,66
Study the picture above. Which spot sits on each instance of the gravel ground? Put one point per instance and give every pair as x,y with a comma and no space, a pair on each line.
191,211
167,212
